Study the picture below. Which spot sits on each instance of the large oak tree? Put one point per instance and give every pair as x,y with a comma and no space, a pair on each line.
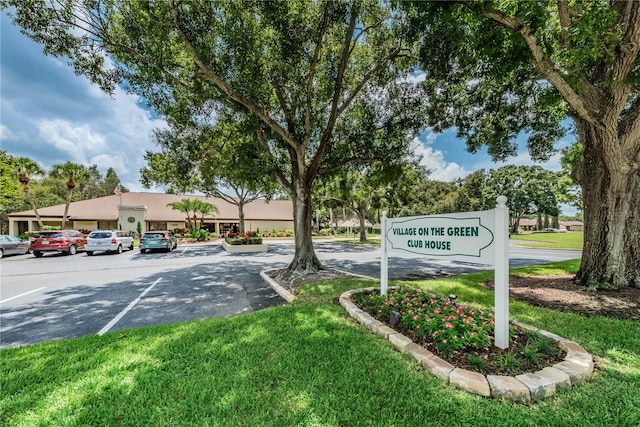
495,69
322,81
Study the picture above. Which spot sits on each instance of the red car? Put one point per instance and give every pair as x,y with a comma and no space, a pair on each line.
64,241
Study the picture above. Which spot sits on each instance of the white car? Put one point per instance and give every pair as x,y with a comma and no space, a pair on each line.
108,241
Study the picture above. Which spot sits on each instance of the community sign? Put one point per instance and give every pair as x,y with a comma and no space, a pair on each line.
466,236
480,237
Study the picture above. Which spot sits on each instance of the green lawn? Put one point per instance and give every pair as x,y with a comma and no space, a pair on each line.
303,364
569,240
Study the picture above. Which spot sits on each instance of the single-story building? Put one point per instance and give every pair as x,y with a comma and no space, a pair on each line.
532,224
151,211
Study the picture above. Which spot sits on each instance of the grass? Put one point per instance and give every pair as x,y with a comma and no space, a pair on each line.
303,364
569,240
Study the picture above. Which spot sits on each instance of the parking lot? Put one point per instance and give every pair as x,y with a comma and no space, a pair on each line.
58,296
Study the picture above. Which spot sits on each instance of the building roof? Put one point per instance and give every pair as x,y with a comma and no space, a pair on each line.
532,222
106,208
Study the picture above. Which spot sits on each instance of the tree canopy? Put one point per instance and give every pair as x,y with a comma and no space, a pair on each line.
320,83
498,69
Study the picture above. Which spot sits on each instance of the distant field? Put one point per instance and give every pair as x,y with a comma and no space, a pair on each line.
569,240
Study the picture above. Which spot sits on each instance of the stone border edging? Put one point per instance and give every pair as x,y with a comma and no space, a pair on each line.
288,296
576,368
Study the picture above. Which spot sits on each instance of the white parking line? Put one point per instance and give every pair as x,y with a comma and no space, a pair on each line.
21,295
116,319
184,250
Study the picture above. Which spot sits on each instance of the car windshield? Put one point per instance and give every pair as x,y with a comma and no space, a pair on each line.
49,235
153,235
100,235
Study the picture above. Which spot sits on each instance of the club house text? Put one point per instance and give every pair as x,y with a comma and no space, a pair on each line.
434,231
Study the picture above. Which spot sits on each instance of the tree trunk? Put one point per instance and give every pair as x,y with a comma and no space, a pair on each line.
363,228
611,193
304,260
515,223
66,209
27,193
241,215
539,221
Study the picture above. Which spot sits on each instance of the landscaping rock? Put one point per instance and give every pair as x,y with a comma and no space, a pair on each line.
473,382
539,386
561,379
508,388
577,373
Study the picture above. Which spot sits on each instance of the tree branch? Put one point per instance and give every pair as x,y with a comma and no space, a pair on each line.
544,64
262,137
337,92
629,19
224,87
312,72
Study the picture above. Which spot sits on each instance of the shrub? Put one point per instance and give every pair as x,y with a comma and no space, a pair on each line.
199,234
248,238
326,232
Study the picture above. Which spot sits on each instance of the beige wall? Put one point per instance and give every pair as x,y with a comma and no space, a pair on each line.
251,225
171,225
32,223
85,225
137,215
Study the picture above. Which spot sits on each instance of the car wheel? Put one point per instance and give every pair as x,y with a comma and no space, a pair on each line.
72,250
1,253
143,251
119,250
90,253
37,254
131,247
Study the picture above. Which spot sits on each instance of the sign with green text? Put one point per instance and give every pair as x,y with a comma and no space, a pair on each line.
481,237
464,236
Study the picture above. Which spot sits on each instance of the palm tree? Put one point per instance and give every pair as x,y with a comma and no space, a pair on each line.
205,209
74,174
185,206
27,168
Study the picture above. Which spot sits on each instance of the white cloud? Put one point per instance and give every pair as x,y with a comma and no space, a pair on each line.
79,142
441,170
523,158
6,134
106,161
416,78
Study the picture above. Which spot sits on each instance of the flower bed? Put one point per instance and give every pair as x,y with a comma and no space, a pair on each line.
459,333
576,367
243,242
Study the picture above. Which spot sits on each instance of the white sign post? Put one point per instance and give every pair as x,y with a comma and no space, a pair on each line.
480,237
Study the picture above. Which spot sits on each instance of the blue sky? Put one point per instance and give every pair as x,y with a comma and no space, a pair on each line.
51,115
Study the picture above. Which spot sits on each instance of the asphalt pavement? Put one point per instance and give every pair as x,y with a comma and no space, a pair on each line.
60,297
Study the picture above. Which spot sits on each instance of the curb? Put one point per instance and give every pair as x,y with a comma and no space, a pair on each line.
288,296
576,368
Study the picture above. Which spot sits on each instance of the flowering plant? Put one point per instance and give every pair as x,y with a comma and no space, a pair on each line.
429,319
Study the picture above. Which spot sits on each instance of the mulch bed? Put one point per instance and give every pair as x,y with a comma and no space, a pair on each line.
558,292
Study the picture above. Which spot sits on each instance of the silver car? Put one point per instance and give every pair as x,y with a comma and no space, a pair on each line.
111,241
11,245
